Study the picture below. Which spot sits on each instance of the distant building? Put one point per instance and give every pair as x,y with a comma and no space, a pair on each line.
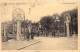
9,28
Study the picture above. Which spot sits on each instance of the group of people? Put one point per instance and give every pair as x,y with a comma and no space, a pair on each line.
29,32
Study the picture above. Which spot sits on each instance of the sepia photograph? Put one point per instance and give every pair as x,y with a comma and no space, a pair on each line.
39,25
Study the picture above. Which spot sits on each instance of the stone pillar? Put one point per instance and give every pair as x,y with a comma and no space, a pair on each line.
13,28
5,31
67,21
18,30
64,30
67,28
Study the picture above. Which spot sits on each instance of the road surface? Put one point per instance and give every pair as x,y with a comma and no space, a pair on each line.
54,43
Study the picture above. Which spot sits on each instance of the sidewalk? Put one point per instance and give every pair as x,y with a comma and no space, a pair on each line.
17,45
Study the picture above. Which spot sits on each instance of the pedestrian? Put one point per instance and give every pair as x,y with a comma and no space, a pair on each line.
32,33
28,36
29,32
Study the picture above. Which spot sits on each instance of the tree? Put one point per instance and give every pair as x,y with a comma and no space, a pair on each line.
47,22
74,19
56,24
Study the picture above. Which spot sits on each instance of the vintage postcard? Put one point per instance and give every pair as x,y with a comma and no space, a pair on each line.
37,26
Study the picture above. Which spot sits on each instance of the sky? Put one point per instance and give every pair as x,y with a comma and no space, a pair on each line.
34,10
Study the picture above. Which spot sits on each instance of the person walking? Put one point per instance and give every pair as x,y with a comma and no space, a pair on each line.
32,33
29,32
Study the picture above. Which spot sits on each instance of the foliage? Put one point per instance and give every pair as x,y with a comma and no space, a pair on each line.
47,22
74,19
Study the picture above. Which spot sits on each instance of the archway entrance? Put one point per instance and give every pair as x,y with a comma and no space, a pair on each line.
67,25
18,16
